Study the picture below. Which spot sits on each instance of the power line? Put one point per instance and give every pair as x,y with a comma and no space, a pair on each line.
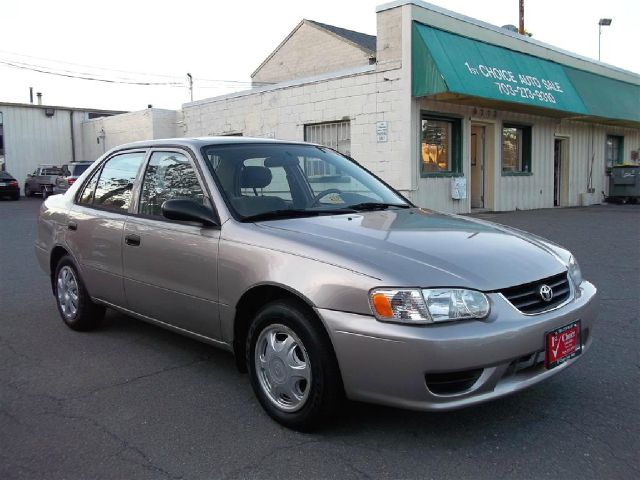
207,80
39,69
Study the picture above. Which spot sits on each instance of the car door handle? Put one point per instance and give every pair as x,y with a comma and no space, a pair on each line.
131,239
72,226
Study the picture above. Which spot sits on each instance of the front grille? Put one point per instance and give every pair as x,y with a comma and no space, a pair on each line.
527,297
452,383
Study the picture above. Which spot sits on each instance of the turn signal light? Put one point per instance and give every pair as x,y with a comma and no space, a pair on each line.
382,305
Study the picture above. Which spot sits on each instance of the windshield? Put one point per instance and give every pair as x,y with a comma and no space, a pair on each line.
266,181
51,171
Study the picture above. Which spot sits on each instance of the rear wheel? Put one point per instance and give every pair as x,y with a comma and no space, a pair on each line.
16,197
292,366
74,304
44,193
27,191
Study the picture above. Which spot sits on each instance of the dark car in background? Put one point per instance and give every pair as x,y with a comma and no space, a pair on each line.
9,186
70,173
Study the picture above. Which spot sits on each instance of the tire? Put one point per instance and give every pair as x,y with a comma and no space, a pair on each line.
16,197
72,299
300,389
27,191
44,193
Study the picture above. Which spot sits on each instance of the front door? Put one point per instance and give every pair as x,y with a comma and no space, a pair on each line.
170,267
477,166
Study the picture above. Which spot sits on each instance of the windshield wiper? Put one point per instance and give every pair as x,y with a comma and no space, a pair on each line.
376,206
290,213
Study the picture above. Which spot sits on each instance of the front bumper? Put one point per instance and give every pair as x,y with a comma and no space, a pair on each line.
390,363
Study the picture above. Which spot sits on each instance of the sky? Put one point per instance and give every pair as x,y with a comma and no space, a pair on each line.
221,42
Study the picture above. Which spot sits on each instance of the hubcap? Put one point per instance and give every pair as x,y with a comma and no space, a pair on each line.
282,366
67,292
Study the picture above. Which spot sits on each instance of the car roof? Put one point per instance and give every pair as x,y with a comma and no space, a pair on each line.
199,142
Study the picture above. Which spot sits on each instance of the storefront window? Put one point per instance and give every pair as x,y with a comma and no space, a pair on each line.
613,151
516,149
439,146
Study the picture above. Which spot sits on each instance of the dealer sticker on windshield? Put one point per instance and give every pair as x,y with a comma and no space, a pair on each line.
563,344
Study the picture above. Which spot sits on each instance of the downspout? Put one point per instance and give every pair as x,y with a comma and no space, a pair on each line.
73,139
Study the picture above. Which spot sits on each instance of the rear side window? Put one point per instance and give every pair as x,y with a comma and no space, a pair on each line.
112,188
169,176
86,197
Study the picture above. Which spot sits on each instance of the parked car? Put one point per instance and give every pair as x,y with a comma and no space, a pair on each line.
70,173
322,280
9,186
41,180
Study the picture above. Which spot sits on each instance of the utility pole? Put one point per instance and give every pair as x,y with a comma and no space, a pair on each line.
521,27
190,85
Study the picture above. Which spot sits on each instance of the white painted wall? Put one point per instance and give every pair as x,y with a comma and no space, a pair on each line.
31,138
585,141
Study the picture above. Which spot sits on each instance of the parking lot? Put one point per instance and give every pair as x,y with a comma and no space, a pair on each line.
134,401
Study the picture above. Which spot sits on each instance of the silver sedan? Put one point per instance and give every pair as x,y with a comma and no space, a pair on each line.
322,280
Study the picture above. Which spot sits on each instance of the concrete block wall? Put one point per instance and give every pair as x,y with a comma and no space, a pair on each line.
309,51
362,98
101,134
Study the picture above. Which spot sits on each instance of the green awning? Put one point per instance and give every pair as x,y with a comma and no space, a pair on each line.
605,97
450,66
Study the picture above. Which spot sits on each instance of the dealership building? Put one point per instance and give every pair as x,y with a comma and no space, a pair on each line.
455,113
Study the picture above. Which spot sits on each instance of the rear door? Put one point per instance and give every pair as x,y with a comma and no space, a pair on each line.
170,267
96,223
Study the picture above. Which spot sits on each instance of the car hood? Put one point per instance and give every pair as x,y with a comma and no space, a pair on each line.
422,248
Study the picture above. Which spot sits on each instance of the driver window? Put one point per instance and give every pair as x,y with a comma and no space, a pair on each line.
169,176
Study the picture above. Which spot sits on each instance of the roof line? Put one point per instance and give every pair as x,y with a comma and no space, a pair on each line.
364,69
60,107
325,27
275,50
320,26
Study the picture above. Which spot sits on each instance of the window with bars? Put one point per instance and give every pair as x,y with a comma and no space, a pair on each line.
336,135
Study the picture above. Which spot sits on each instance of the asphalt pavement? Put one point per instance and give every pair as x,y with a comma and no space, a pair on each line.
133,401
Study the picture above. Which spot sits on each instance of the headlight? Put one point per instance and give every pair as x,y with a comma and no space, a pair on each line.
415,306
574,271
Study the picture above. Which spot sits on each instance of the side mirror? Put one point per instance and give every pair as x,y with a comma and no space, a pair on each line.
188,210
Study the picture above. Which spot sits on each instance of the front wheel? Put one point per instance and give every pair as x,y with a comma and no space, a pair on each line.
293,369
73,301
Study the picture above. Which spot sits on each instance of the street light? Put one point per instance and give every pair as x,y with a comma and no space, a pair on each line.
602,22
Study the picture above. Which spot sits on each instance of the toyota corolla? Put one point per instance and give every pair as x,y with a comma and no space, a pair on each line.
322,280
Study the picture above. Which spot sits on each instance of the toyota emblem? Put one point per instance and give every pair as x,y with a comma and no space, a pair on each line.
546,293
